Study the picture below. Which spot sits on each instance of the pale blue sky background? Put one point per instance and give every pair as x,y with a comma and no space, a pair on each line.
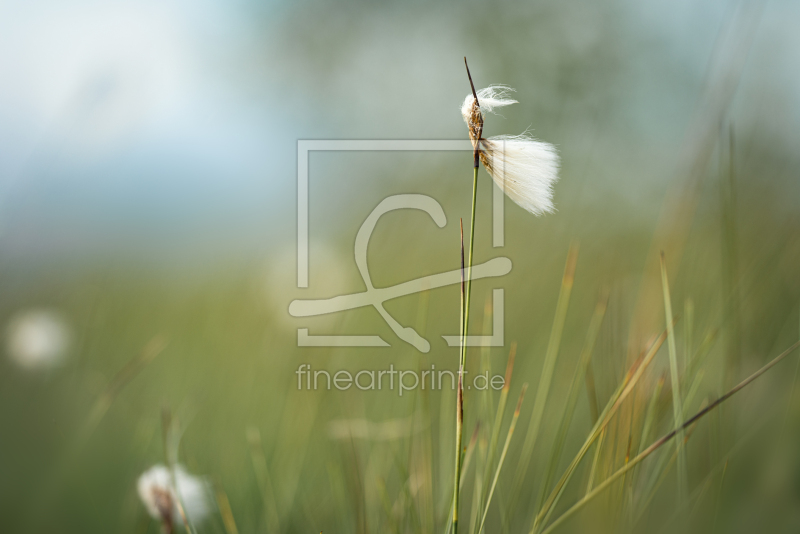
167,130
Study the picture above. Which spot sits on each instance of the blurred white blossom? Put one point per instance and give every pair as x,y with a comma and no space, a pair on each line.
157,491
37,339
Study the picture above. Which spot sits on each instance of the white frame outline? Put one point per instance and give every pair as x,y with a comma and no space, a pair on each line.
304,148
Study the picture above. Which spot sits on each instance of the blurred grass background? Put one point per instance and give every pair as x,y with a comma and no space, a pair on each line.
148,188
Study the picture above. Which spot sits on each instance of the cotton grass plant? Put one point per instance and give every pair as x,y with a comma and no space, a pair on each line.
173,496
526,169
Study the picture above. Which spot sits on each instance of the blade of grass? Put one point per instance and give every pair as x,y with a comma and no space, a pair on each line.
476,501
730,272
460,393
498,420
688,310
651,411
423,444
591,393
468,454
677,405
262,477
225,511
412,516
387,505
722,463
104,401
659,475
595,460
549,366
698,379
649,422
623,390
172,435
338,488
679,514
700,355
626,481
487,413
445,449
459,431
719,498
666,438
486,362
572,396
503,456
791,397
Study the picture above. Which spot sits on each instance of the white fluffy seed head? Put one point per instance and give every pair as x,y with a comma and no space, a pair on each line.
489,99
524,168
159,496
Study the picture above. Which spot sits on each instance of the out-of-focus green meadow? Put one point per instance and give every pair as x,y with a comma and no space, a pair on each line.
164,248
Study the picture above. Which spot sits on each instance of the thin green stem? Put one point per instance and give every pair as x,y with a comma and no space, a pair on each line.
464,333
459,432
468,454
459,400
469,268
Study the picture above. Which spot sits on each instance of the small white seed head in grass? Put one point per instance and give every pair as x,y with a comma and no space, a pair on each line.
159,496
524,168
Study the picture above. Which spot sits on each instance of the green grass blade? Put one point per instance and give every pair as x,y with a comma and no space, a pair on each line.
652,407
688,311
666,438
468,455
476,500
549,365
462,364
698,379
677,404
271,515
572,396
658,476
591,393
498,420
502,456
623,390
595,460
